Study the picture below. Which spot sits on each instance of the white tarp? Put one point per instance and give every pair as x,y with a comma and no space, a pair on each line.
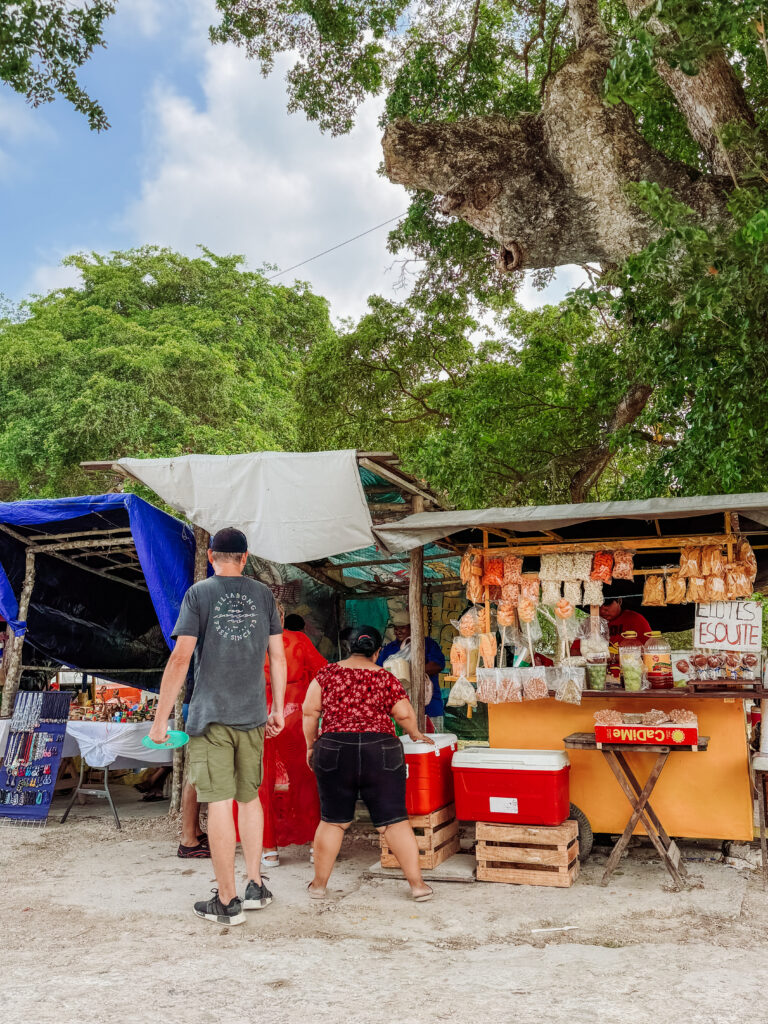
293,507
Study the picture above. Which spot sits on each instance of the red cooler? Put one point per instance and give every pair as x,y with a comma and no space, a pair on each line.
428,767
527,787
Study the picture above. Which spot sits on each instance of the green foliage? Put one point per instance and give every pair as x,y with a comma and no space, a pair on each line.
44,42
155,354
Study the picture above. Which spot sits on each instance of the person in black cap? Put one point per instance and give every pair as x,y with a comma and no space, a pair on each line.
228,624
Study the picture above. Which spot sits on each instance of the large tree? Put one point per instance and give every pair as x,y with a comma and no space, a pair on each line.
154,354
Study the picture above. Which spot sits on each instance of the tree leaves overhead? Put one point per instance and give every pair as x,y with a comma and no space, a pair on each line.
44,42
155,355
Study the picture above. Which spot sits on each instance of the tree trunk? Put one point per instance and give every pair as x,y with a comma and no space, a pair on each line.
551,187
13,673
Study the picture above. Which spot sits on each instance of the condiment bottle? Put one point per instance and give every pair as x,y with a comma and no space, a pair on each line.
657,662
631,661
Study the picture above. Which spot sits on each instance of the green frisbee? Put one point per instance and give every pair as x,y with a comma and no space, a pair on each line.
176,738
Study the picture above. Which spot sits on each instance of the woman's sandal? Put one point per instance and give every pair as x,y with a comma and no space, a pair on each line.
425,896
270,860
316,894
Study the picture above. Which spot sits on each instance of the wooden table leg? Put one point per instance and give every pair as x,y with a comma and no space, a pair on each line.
670,846
638,802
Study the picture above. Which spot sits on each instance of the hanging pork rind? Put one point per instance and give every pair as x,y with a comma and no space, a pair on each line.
550,592
697,587
465,569
602,567
459,657
513,567
737,582
690,562
572,591
623,565
675,589
653,591
712,560
510,593
493,574
714,588
593,592
582,565
565,568
475,590
529,587
746,556
505,613
488,649
471,622
548,568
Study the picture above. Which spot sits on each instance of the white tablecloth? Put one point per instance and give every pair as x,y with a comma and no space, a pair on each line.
115,744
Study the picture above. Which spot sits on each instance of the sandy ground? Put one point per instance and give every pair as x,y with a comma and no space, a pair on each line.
97,926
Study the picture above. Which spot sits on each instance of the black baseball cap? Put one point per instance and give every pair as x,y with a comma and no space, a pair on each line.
229,541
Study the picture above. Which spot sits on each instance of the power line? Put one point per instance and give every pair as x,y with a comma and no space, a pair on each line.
335,247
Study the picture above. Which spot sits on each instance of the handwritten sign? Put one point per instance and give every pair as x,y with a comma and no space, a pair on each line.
729,626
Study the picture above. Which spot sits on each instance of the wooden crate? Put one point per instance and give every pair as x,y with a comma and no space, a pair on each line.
528,854
437,836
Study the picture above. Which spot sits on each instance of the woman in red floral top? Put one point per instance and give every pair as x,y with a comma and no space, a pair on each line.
358,752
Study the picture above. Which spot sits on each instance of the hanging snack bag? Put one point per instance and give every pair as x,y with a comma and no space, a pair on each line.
690,562
462,692
582,565
510,593
746,556
569,685
526,609
602,567
623,565
565,568
593,592
513,568
548,568
572,591
465,569
488,649
471,622
505,613
712,560
653,591
737,582
676,589
475,590
487,685
529,587
550,592
493,574
534,683
459,657
510,687
563,609
682,668
697,587
714,588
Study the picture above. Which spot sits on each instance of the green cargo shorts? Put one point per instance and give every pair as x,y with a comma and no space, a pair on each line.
225,763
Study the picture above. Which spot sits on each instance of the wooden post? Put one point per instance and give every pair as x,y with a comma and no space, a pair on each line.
202,540
415,589
13,673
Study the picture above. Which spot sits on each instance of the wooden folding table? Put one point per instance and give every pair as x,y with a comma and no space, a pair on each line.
639,797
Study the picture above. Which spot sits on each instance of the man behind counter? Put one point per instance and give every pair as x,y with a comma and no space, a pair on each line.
622,620
434,663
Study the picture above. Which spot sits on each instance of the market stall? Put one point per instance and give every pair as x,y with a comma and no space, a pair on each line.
536,580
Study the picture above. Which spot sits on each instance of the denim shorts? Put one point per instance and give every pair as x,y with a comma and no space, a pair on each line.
371,764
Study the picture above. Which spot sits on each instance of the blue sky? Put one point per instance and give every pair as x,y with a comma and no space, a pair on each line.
201,150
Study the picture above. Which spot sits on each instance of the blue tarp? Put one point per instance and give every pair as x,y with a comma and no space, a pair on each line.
77,607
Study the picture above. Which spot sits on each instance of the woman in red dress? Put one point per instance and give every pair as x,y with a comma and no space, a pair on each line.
288,791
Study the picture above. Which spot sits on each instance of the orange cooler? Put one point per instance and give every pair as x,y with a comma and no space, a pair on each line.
526,787
429,784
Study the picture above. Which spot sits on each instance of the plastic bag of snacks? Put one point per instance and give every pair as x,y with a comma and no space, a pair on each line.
714,589
462,692
737,582
513,568
712,560
682,668
746,556
471,622
572,591
675,589
550,592
564,567
493,572
697,587
510,687
471,564
569,684
534,683
488,649
653,591
510,593
460,653
593,634
475,590
690,562
487,685
505,613
623,565
582,565
593,592
529,587
602,567
548,568
608,716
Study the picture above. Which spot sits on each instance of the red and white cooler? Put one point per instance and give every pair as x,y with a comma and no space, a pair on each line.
429,784
526,787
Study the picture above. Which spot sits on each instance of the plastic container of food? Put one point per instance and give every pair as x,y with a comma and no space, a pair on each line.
631,662
657,662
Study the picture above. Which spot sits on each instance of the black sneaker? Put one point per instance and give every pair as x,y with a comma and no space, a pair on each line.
214,910
256,896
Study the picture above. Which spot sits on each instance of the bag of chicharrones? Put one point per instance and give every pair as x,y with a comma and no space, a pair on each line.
509,686
487,685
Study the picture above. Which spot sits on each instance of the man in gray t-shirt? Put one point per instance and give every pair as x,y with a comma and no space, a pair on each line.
227,625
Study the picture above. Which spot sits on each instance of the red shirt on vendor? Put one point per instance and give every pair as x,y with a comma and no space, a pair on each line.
623,620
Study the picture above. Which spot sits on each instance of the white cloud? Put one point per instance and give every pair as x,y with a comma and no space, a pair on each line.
239,174
50,276
566,278
19,124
